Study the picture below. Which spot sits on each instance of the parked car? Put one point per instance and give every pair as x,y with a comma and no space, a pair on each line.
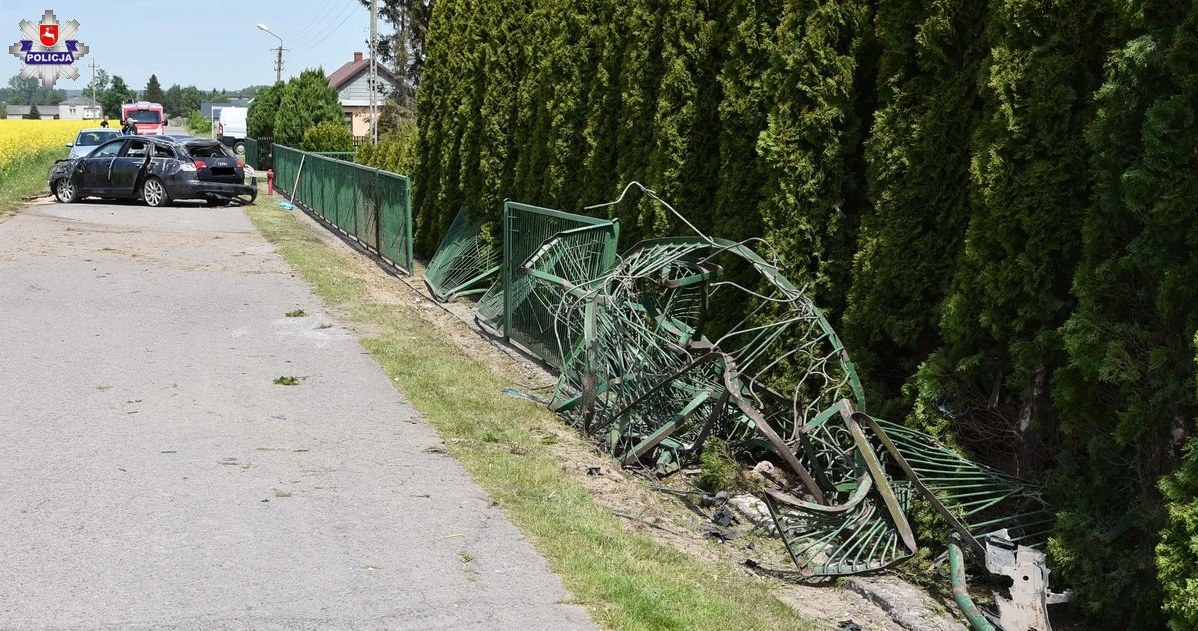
231,128
89,139
155,169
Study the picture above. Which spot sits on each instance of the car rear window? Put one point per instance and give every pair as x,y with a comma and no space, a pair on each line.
208,150
163,151
93,138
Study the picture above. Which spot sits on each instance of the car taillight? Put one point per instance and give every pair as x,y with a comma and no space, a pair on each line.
200,164
241,164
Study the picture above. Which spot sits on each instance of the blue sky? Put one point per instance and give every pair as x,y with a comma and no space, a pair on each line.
211,44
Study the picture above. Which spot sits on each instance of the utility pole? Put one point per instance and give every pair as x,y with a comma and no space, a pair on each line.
279,62
374,19
93,84
278,52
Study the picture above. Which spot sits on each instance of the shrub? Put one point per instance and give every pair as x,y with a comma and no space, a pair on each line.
328,137
395,151
198,124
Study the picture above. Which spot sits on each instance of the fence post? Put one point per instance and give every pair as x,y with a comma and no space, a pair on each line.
409,229
507,272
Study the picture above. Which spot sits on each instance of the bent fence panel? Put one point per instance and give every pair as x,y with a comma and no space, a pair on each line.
467,258
369,206
509,306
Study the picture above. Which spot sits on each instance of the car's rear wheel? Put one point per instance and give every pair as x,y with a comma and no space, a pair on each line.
239,147
154,192
65,190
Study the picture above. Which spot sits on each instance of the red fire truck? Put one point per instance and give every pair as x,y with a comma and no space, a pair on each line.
146,116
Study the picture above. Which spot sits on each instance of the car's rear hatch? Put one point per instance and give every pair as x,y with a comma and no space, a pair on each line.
214,162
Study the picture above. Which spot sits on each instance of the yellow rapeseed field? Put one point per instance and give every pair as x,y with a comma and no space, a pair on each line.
25,140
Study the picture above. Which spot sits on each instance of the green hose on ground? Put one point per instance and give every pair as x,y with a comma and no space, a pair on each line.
956,565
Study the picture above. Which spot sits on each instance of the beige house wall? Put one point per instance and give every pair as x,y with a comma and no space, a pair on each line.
359,119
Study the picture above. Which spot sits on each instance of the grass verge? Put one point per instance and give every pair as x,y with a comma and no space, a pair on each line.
26,178
625,580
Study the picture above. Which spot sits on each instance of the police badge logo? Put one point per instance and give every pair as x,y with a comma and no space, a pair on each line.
48,50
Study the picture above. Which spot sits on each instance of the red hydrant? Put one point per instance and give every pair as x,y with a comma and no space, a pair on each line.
270,181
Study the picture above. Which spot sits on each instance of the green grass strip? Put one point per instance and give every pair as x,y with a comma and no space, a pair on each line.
26,177
625,580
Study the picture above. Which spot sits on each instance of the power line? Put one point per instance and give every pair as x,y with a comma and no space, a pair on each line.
330,33
321,15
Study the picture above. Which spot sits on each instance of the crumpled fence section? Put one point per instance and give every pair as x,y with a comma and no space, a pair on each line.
648,372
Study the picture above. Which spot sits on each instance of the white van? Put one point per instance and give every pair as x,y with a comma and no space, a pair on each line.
231,127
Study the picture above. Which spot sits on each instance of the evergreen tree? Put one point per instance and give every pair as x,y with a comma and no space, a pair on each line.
565,78
328,136
918,158
812,141
405,52
190,99
306,101
741,174
684,163
1010,291
260,119
116,94
505,62
640,82
172,101
743,110
153,92
433,110
455,102
597,182
1126,395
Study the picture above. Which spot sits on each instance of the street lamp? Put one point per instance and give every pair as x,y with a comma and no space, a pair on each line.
279,55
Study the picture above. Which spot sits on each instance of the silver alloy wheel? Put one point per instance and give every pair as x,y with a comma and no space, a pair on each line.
153,192
66,190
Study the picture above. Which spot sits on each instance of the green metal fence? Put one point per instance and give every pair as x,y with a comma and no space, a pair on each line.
258,153
371,206
251,152
347,156
509,306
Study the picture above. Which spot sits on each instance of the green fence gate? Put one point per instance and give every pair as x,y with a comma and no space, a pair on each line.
372,207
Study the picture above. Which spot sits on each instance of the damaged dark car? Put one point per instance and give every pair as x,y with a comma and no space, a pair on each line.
157,170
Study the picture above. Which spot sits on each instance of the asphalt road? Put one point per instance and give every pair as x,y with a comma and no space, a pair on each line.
154,476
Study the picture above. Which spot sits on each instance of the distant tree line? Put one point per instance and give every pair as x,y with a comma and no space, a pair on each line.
29,92
993,201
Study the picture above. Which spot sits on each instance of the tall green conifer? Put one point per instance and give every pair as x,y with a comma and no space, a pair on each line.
684,164
1010,292
918,159
812,142
1127,395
